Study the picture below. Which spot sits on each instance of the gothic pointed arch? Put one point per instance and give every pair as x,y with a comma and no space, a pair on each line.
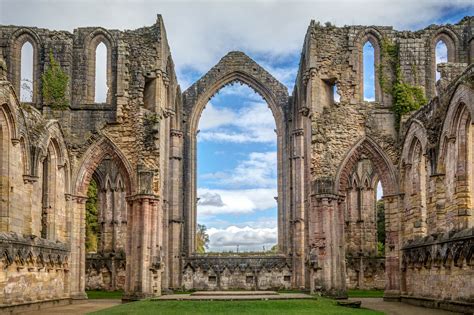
446,35
93,40
92,158
461,103
234,67
17,40
375,38
368,148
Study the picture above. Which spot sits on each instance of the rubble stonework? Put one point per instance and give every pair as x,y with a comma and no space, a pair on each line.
140,147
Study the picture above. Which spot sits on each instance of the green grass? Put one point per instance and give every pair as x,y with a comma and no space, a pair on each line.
364,293
94,295
273,307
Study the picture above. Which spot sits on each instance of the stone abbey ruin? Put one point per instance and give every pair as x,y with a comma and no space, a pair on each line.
416,138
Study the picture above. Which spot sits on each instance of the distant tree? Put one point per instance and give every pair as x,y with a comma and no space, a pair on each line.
274,248
92,222
202,239
381,227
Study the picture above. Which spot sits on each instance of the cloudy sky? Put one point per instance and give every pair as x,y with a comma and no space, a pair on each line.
236,144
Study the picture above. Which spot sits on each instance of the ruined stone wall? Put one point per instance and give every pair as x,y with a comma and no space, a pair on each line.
349,130
365,273
35,231
106,271
332,153
437,234
129,129
232,273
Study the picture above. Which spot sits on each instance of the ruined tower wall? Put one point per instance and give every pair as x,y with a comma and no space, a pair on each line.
346,131
130,129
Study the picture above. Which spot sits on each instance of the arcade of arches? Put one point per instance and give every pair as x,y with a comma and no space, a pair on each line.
125,163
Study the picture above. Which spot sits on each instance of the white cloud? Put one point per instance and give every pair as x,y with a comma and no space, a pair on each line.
252,123
215,117
247,238
259,170
237,201
202,32
210,199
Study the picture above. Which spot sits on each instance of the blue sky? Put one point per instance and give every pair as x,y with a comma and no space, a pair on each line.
236,144
237,171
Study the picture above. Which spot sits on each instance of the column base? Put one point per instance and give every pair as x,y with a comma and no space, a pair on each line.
391,295
79,296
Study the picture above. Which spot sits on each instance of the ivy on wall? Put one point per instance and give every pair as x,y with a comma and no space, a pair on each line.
405,97
92,222
55,81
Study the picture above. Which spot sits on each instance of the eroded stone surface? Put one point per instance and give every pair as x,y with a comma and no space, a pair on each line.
140,146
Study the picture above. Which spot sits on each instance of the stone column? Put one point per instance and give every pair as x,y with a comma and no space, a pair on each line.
77,262
176,220
298,206
392,246
143,252
327,236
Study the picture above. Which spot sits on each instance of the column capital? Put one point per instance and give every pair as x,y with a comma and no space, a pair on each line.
78,198
142,197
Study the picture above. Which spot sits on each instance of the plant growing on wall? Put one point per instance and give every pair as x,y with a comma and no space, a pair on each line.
92,222
55,81
405,97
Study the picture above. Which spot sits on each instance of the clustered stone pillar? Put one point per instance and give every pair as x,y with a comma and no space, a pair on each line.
176,220
144,263
392,246
77,230
298,219
326,230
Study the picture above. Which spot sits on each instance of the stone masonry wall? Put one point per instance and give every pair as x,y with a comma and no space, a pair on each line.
146,129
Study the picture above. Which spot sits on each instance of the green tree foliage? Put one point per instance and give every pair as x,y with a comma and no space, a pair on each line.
55,81
381,227
202,239
92,222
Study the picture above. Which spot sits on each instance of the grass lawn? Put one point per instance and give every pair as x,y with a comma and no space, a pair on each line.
316,306
93,295
364,293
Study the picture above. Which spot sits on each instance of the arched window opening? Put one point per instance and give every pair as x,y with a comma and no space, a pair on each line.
368,62
361,214
26,76
92,217
364,230
237,174
101,87
415,194
106,227
441,56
